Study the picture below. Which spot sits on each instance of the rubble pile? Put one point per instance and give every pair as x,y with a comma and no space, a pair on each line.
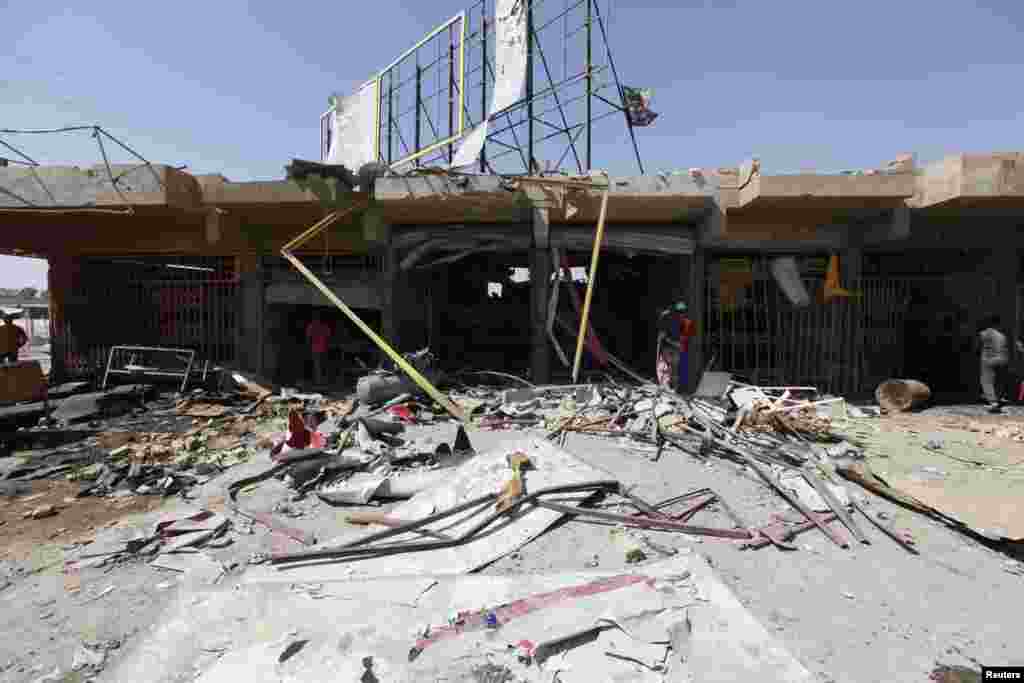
177,542
438,504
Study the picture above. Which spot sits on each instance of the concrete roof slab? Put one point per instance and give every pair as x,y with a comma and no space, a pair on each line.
972,180
73,186
219,192
828,191
436,199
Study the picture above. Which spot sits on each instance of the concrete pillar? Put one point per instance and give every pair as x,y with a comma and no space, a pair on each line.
540,292
695,300
250,330
60,282
541,266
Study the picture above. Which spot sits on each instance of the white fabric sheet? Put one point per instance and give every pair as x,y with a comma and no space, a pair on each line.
352,131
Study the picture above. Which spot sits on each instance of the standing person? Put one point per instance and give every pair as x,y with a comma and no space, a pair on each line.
318,333
995,359
12,338
675,329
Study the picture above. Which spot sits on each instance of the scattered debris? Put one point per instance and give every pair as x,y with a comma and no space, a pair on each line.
88,658
293,649
106,591
41,512
954,674
361,452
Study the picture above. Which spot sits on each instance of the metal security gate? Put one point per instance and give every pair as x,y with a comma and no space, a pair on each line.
881,336
178,302
843,346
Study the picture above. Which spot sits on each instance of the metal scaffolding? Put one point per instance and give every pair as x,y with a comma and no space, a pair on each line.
436,92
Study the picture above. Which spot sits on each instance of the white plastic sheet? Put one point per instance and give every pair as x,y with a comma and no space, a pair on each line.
352,133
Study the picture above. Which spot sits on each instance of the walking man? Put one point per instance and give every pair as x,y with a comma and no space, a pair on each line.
319,335
12,338
995,359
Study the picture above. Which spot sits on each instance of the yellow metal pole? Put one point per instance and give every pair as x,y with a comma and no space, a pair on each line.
585,316
416,377
317,228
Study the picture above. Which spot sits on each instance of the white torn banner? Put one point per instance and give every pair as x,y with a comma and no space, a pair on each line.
472,145
352,133
509,74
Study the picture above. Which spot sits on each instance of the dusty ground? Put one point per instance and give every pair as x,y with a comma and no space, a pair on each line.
870,613
74,520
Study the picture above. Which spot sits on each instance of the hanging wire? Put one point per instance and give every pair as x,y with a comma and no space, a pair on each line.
97,133
45,131
15,195
135,154
106,163
28,160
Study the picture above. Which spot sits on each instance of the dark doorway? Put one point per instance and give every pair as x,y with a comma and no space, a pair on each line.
289,357
483,321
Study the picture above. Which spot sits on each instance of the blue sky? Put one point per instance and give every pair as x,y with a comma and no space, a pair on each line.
237,88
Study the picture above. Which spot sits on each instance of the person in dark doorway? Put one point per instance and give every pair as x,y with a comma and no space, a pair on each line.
675,329
12,339
995,359
319,335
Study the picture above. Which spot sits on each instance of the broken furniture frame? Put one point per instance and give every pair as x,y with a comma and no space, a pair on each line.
421,381
152,372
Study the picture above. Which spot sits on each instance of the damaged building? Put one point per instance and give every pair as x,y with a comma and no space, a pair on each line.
489,272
